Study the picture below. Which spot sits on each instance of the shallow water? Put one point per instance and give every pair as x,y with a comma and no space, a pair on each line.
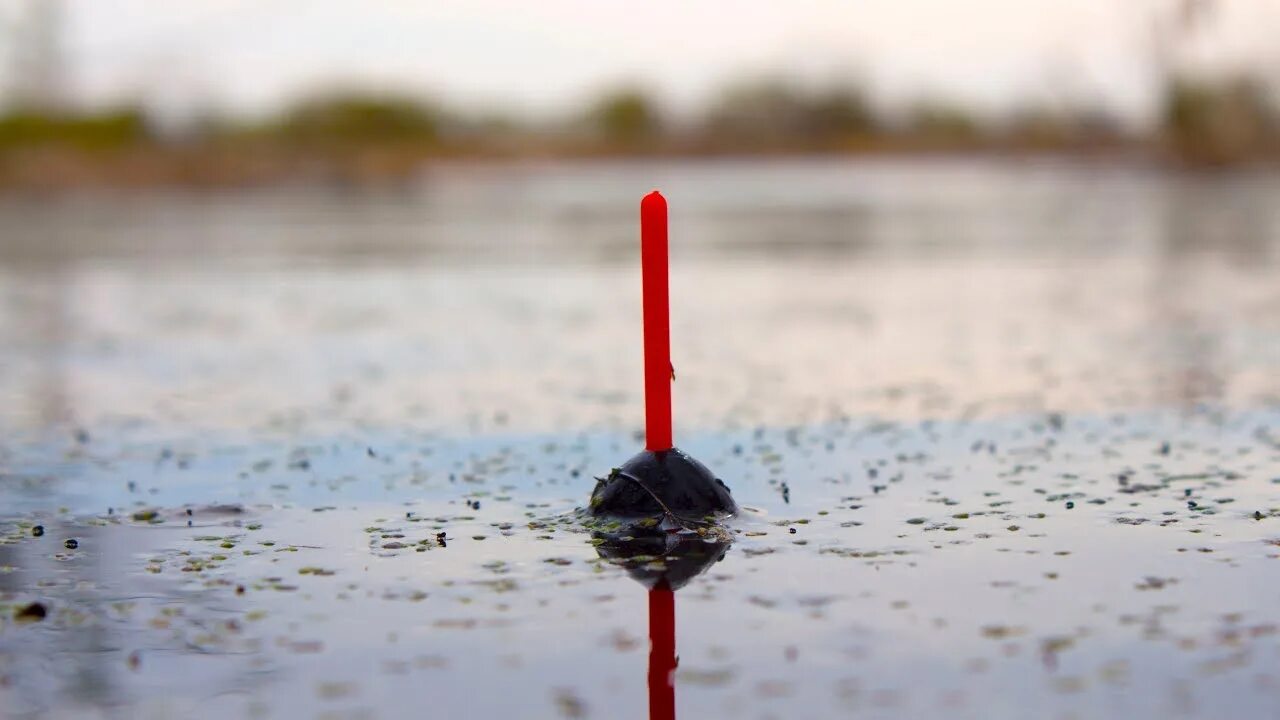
1024,421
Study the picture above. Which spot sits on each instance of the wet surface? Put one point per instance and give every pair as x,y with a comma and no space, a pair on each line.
973,482
1066,561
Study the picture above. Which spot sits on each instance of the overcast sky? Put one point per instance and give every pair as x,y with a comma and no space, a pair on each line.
539,55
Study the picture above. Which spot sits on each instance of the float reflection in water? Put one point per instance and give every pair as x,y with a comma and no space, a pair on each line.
663,561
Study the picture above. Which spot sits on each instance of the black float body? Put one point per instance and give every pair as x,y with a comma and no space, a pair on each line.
662,482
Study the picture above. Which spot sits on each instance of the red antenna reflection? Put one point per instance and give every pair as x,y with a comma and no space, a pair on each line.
662,652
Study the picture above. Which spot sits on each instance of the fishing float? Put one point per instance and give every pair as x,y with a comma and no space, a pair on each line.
661,481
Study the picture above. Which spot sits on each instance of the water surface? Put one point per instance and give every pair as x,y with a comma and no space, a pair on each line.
1009,434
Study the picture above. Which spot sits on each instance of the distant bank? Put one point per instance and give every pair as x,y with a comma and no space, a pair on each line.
358,140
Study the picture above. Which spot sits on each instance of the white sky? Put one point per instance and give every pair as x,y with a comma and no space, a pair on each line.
538,55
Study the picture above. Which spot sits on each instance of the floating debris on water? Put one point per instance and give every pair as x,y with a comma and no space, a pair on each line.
31,612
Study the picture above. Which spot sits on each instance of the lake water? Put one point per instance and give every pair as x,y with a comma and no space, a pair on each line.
1007,433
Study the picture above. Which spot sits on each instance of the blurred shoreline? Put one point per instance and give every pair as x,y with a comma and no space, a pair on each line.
360,139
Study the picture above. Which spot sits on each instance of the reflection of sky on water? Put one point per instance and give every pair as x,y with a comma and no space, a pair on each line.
490,349
575,213
891,341
801,291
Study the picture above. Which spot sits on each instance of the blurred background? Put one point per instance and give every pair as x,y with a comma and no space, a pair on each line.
222,209
225,93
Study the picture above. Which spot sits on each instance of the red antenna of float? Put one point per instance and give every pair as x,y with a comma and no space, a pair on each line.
661,480
658,370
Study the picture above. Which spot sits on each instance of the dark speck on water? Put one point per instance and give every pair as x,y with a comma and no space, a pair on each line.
31,612
37,530
71,543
